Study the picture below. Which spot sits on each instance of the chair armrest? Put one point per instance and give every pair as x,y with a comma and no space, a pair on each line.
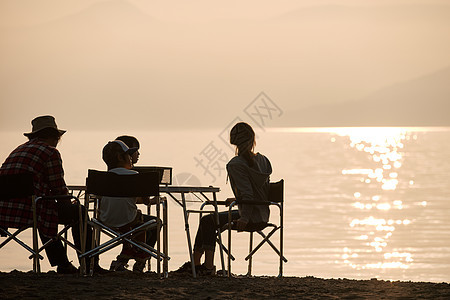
265,203
252,202
58,197
218,202
226,203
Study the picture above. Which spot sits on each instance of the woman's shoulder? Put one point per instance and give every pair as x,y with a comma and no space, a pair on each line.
261,157
237,160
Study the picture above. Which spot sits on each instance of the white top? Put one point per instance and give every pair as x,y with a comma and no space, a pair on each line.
118,211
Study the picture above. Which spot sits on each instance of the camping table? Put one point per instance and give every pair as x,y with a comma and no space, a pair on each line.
178,194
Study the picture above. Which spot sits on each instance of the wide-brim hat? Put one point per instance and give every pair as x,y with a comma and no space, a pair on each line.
41,123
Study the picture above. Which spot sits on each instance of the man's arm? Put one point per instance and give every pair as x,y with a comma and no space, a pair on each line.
55,173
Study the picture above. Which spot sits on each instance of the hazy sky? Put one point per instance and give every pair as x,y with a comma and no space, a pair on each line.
202,62
27,12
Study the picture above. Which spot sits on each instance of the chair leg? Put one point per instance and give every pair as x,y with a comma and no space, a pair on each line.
249,272
81,226
266,239
36,265
65,239
281,252
229,243
60,236
144,247
117,239
282,259
158,239
281,239
95,240
225,249
218,234
165,238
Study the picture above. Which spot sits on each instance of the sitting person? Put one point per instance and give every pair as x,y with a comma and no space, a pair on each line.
40,157
122,213
249,178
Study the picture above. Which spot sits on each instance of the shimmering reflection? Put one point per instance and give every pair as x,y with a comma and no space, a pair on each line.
383,147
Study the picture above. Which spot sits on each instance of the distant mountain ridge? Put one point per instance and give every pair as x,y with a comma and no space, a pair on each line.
423,101
388,12
171,73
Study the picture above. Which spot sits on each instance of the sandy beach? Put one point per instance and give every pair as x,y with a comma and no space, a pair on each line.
27,285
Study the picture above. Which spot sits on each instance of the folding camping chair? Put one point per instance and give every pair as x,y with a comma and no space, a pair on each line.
62,234
98,184
276,198
20,186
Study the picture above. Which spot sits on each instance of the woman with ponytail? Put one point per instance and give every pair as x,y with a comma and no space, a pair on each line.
249,178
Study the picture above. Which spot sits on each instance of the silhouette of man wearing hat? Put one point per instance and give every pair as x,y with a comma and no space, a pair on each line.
40,157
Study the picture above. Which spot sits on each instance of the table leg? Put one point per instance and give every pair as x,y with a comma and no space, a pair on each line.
158,239
219,233
188,235
165,239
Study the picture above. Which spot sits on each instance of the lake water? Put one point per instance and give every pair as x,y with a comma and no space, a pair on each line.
360,202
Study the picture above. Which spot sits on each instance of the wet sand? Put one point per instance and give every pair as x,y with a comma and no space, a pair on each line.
27,285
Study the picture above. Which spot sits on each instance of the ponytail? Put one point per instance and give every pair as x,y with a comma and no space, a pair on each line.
243,136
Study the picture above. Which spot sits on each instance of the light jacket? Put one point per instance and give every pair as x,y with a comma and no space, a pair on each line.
251,184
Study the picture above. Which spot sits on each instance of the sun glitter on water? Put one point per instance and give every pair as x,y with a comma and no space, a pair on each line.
383,147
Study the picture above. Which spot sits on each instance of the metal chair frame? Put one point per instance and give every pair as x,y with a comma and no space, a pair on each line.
276,198
18,186
100,183
62,234
21,186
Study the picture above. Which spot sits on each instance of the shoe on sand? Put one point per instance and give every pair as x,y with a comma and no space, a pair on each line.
139,266
99,270
118,265
202,270
66,268
185,268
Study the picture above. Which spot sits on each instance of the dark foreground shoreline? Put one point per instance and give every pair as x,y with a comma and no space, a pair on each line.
26,285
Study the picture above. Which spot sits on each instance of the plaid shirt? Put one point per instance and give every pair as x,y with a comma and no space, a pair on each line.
44,162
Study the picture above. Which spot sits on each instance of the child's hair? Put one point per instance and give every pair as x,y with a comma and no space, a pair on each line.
112,155
129,140
243,136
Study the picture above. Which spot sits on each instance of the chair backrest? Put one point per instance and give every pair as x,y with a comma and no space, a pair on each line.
276,191
16,186
165,173
114,185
